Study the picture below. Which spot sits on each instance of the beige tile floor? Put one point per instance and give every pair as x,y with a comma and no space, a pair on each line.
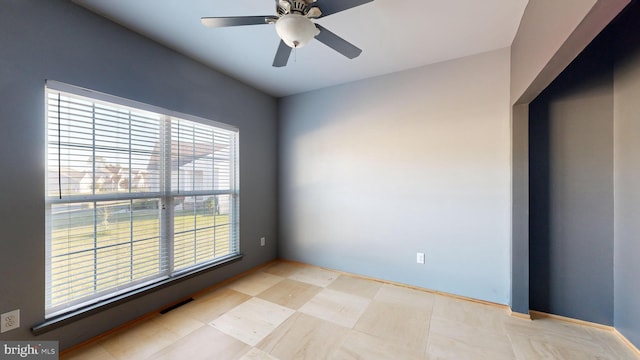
292,311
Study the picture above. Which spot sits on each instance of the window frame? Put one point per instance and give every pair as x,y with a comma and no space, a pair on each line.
166,197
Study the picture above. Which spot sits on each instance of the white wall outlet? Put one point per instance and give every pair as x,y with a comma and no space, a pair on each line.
420,258
263,241
10,321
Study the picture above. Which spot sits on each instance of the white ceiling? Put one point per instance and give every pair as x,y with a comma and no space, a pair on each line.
394,35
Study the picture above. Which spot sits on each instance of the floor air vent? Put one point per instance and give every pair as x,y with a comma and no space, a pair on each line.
175,306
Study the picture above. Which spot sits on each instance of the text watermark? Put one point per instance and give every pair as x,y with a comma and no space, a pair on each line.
31,350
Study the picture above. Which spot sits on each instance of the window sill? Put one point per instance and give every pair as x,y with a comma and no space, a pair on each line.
65,319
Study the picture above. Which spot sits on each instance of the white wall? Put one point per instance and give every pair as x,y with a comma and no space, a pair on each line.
374,171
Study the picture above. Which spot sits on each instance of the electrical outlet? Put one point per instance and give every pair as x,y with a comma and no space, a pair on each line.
10,321
263,241
420,258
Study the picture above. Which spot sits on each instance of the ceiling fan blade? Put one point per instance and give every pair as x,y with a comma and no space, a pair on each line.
337,43
236,20
329,7
282,55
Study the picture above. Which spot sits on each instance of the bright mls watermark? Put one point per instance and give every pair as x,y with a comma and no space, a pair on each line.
32,350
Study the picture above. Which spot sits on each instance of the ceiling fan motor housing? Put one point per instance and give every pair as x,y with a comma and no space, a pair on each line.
302,7
298,6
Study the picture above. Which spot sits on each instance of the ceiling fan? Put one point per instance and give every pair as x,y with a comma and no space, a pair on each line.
294,26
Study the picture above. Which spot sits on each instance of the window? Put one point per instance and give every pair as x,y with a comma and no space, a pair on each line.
134,196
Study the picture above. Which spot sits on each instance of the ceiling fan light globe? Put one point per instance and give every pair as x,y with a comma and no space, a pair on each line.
296,30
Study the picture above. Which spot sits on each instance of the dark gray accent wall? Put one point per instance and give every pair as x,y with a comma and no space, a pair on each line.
627,175
571,190
603,83
550,36
55,39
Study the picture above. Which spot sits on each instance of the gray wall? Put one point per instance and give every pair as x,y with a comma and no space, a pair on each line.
57,40
418,161
551,35
571,190
520,209
583,258
535,45
627,176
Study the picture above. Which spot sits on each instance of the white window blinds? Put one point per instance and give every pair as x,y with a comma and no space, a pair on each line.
133,196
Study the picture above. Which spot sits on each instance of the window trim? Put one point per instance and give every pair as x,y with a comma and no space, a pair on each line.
63,317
